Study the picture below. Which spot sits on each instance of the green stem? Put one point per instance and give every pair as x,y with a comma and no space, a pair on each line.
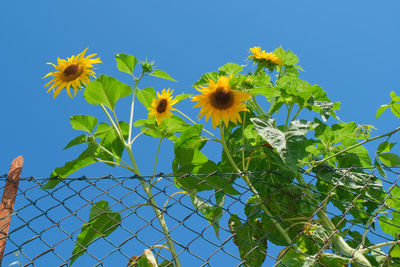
159,214
288,116
368,249
243,159
156,159
113,123
339,242
250,185
133,105
296,114
356,145
194,123
260,67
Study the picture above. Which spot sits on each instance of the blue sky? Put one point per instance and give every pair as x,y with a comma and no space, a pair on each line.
350,48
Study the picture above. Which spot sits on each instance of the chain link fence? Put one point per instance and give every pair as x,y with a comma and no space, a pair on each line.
45,223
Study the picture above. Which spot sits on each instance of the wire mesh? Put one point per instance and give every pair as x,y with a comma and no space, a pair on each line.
45,223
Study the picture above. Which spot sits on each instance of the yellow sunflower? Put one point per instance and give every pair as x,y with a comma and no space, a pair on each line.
219,101
162,105
268,59
72,72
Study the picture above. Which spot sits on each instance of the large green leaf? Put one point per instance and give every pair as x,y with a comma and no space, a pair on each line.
204,79
381,109
385,147
290,144
249,238
230,69
106,90
390,159
191,138
80,139
110,139
83,122
163,75
211,212
86,158
126,63
146,96
102,222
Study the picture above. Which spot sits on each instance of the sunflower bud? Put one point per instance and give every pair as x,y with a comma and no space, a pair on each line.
147,67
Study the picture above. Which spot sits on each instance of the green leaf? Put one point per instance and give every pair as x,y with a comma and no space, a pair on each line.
181,97
204,79
381,109
378,166
173,124
394,200
146,96
106,90
162,74
390,159
191,138
211,212
102,222
395,108
290,145
126,63
395,98
230,69
385,147
390,226
81,139
86,158
83,122
110,140
290,58
249,238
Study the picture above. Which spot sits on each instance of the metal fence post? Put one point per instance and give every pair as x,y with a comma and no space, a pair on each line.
8,200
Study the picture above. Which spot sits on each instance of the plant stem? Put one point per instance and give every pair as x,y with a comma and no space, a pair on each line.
339,242
356,145
147,189
288,116
296,114
159,214
250,185
243,159
368,249
194,123
156,159
113,123
135,88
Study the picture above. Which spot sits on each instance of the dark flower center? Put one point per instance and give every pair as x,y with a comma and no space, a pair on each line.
72,72
162,106
222,99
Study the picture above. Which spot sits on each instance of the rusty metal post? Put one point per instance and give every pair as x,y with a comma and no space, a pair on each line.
8,200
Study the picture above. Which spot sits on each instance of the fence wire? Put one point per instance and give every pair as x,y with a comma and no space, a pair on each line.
45,223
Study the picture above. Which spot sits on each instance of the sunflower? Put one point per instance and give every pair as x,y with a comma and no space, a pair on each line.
267,59
162,105
72,72
219,101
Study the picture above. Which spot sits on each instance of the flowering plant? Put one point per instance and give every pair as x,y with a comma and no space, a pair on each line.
253,140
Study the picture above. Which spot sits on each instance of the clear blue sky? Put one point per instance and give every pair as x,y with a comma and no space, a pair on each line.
350,48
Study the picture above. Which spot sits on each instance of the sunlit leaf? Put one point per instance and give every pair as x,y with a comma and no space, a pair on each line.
389,159
250,240
126,63
106,90
83,122
146,96
102,222
162,74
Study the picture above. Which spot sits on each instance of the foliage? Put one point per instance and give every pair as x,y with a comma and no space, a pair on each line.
272,143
